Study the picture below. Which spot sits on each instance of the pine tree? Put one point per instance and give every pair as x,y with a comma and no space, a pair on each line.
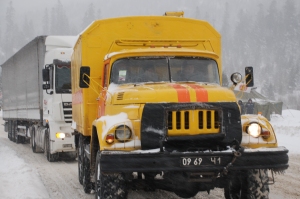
59,24
45,22
89,16
10,33
226,40
99,14
27,32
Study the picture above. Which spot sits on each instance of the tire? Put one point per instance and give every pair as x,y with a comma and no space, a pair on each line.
187,193
33,144
80,159
18,138
9,133
50,157
86,178
249,184
109,185
14,132
258,183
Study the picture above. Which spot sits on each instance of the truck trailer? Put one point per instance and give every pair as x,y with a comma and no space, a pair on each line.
37,101
149,112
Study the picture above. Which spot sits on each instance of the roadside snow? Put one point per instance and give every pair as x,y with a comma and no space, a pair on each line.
17,179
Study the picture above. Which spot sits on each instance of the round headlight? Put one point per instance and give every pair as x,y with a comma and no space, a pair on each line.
236,78
254,130
123,133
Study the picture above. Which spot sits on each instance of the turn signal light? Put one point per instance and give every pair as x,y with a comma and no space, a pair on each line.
265,134
110,138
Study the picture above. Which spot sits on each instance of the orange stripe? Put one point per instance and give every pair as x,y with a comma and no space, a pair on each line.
201,93
182,93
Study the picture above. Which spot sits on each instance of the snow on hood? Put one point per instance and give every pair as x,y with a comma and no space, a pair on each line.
113,120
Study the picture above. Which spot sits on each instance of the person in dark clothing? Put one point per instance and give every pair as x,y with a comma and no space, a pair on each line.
242,106
249,107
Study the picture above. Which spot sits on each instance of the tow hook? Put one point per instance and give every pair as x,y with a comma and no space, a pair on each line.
236,154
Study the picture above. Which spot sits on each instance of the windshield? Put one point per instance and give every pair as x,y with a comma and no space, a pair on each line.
164,69
63,78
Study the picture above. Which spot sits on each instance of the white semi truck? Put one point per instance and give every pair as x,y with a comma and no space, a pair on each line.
37,101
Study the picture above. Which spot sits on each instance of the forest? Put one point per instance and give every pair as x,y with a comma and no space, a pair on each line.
263,34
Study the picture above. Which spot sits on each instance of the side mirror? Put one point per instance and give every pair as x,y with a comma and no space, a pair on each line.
46,75
46,86
84,79
249,76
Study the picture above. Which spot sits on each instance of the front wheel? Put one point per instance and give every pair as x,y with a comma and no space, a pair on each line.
248,184
86,178
109,185
50,157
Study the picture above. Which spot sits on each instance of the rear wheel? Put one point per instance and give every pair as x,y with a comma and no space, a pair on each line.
50,157
18,138
14,130
33,144
9,133
109,185
248,184
80,159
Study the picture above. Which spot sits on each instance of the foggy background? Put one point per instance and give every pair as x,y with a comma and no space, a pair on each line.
263,34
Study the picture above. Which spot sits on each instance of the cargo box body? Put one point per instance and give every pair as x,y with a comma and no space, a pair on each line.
107,36
21,82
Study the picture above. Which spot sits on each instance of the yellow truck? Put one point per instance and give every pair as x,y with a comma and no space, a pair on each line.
149,112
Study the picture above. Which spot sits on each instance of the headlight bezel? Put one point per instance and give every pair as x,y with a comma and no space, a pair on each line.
236,78
123,133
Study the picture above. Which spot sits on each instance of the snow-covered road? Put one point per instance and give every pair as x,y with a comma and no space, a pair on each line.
24,174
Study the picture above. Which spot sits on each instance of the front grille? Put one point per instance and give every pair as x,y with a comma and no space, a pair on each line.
193,122
67,110
120,96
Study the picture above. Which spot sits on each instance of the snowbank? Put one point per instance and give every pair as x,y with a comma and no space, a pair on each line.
287,129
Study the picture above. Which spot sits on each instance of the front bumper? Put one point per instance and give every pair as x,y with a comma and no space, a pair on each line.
155,161
65,145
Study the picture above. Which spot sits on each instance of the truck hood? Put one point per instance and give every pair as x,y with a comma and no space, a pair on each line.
168,93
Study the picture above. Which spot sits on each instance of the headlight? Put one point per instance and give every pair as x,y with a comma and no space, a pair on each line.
60,135
236,78
254,129
123,133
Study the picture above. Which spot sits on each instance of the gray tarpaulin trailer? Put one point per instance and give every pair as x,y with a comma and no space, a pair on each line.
22,80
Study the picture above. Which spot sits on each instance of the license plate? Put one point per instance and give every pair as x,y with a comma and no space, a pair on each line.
199,161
